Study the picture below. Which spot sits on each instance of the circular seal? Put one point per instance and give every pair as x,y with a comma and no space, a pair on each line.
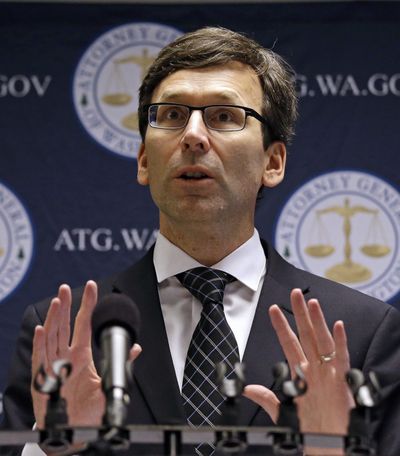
107,80
345,225
16,242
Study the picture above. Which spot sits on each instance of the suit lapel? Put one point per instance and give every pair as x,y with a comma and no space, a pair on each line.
263,350
154,369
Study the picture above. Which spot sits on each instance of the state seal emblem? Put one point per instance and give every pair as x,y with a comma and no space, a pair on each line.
345,226
16,242
107,79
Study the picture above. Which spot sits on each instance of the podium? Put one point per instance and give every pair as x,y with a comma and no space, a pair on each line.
172,440
175,440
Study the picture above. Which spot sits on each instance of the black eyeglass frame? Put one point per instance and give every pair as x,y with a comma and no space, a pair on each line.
248,112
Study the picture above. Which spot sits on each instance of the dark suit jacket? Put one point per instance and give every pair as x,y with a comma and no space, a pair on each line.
373,336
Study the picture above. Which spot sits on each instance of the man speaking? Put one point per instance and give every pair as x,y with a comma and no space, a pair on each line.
216,113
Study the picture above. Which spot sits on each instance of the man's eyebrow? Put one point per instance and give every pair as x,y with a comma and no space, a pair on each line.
226,96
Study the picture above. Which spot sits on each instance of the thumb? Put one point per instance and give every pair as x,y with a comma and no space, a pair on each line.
265,398
135,352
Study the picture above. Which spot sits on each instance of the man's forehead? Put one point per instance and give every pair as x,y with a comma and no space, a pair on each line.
226,83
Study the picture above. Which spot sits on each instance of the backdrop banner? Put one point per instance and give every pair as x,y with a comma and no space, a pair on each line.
70,207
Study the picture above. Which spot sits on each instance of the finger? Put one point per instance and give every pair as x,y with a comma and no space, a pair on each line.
64,332
287,338
342,352
304,325
39,357
265,398
135,352
83,328
51,330
324,340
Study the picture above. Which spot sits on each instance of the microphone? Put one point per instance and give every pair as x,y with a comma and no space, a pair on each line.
115,325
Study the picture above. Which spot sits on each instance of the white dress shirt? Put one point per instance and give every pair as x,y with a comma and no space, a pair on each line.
181,310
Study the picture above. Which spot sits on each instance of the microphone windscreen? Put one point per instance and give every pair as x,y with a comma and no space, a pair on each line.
116,309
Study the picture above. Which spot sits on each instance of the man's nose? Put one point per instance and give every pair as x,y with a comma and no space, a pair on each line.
195,136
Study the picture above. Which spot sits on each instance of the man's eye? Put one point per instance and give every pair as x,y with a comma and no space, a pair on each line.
224,116
174,114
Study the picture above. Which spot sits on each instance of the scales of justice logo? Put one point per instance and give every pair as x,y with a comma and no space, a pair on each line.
16,242
345,226
107,79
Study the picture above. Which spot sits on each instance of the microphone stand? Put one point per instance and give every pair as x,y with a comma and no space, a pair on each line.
287,439
230,441
366,395
57,436
112,437
53,437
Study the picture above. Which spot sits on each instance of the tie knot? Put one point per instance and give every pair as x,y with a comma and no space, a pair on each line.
206,284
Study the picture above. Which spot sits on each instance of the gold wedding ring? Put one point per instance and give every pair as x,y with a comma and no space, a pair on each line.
327,358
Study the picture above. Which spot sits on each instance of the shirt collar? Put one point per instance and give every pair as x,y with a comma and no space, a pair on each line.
247,263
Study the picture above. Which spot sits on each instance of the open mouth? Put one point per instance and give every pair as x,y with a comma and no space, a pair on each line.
196,176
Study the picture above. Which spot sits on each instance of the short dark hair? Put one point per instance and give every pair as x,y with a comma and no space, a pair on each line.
211,46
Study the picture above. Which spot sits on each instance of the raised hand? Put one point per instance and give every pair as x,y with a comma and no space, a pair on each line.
323,356
82,389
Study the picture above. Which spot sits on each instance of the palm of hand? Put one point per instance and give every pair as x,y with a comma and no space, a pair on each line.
82,390
325,406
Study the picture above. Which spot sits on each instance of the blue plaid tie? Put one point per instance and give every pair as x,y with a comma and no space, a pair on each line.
212,342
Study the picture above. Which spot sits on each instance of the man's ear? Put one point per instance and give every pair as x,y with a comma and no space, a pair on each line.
142,172
274,171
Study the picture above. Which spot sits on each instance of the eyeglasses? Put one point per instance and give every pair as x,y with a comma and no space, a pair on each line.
173,116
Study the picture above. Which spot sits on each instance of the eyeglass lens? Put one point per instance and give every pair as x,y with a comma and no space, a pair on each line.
215,117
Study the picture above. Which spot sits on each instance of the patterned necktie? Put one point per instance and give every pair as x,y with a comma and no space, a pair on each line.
212,342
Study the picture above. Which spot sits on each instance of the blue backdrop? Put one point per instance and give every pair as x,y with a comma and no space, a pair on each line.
70,207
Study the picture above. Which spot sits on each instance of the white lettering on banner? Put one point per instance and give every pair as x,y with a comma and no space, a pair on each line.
382,85
341,85
133,240
19,86
104,240
344,85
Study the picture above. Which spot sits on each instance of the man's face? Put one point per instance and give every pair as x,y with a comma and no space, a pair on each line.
201,175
